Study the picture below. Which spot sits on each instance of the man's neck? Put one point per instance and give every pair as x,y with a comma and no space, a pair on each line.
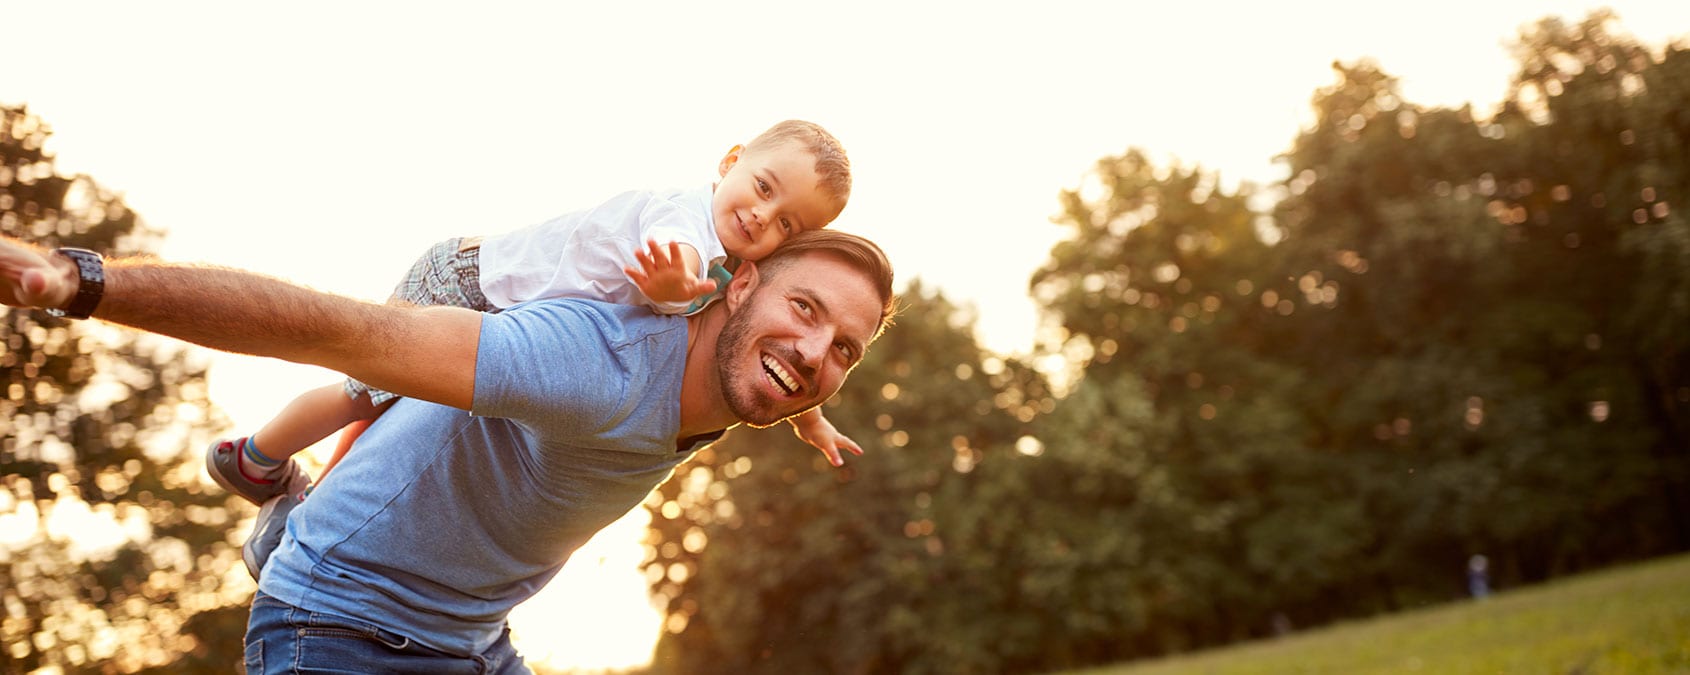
703,410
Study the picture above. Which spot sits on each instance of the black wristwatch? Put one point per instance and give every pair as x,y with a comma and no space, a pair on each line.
91,271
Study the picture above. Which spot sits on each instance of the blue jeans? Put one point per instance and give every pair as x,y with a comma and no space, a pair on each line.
281,638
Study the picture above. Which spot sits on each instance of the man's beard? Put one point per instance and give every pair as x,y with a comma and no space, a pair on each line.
742,401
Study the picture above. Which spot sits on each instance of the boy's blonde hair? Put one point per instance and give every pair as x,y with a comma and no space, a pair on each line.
833,168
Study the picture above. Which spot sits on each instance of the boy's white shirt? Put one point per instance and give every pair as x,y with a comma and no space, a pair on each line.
582,254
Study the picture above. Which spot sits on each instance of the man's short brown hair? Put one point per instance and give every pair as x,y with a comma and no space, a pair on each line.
833,168
855,251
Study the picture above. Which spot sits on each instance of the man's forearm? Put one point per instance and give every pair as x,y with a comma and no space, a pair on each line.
236,311
427,353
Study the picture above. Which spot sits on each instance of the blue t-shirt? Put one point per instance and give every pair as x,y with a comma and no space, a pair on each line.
439,521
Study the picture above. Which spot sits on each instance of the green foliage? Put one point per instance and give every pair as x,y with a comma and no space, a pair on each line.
112,557
1502,297
1179,434
1459,343
1633,620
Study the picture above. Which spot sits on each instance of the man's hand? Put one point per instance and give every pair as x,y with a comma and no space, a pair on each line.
30,277
665,276
814,429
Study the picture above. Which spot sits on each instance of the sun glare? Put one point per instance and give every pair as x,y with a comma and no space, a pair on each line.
596,615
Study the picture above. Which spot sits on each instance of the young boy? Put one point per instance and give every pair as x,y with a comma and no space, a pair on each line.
671,251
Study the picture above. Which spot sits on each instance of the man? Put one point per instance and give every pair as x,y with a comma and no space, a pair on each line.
522,433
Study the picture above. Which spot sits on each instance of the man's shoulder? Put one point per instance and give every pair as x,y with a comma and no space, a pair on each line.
615,323
571,370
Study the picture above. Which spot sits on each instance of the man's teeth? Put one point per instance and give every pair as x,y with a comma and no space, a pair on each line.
778,375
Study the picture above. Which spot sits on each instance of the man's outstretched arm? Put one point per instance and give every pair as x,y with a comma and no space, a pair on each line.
426,353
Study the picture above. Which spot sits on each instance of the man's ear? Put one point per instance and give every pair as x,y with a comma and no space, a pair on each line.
744,282
730,159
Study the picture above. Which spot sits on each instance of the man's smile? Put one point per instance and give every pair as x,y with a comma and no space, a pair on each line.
779,376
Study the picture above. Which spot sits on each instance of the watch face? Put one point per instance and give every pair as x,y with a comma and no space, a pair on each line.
91,269
91,285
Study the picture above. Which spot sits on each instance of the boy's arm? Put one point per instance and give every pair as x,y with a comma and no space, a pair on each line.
426,353
814,429
669,274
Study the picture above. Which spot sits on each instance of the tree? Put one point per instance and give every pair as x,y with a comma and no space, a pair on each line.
1466,337
1601,92
1507,297
1181,436
113,558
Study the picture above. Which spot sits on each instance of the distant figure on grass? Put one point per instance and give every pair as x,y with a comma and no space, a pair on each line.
519,435
670,251
1478,576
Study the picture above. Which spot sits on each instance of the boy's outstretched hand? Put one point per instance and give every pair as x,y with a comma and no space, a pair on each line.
668,273
814,429
29,277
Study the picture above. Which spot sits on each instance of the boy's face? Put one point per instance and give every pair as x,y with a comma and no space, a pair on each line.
767,195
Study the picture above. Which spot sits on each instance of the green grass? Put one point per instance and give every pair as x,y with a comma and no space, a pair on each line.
1626,620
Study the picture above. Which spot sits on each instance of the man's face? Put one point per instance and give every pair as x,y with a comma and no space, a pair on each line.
766,196
789,345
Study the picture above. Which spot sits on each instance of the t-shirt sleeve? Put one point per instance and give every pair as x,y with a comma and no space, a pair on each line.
665,221
551,366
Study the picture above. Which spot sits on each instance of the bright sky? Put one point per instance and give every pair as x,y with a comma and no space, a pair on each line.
331,142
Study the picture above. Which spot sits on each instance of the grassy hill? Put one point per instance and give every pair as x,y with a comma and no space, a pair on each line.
1633,619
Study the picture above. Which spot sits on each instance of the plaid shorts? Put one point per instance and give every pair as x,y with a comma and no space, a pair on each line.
447,274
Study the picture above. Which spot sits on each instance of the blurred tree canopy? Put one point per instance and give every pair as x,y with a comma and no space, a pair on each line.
1449,336
112,558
